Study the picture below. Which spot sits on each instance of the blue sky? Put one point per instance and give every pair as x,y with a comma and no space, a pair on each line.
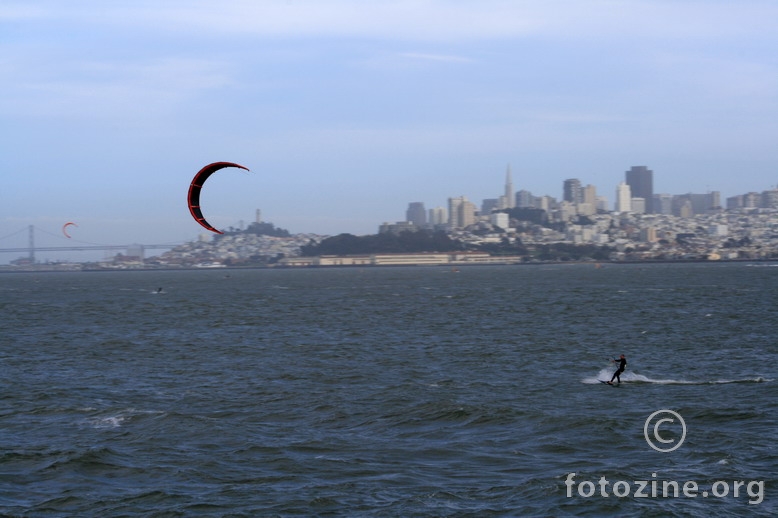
345,111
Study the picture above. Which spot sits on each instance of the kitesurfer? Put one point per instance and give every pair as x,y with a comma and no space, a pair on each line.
622,361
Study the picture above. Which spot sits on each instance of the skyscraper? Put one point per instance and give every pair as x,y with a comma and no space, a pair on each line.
416,214
524,199
438,216
623,198
461,212
589,204
590,195
573,191
641,183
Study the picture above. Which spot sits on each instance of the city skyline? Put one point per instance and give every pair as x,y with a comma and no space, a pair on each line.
634,193
18,238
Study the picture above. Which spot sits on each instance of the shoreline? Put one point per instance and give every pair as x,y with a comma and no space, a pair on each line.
77,267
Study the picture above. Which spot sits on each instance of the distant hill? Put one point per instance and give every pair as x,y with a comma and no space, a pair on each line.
260,229
403,242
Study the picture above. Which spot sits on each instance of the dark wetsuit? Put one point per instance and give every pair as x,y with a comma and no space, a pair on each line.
622,365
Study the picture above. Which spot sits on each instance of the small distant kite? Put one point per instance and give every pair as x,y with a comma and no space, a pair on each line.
65,228
197,184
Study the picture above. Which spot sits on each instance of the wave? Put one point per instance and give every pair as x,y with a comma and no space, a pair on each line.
115,420
633,378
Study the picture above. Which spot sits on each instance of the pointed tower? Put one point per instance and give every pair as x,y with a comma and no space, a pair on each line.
510,196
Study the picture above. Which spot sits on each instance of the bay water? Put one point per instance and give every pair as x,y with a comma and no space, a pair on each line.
390,391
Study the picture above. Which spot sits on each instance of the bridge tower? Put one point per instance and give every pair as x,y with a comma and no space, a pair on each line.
31,242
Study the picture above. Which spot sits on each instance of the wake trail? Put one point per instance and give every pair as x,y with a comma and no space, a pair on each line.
631,377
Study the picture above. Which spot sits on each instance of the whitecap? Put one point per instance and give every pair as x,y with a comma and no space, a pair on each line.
107,422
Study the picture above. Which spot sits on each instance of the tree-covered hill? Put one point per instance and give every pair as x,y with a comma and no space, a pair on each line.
404,242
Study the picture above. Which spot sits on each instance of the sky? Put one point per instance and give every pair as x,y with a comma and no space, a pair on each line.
345,110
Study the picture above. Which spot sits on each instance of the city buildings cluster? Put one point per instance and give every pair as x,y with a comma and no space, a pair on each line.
643,225
634,195
234,249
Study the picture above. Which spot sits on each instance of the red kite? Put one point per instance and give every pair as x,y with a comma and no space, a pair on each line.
65,228
194,191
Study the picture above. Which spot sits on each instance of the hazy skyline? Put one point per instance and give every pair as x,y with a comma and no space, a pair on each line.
346,111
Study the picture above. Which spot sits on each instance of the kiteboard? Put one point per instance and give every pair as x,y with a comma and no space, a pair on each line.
608,383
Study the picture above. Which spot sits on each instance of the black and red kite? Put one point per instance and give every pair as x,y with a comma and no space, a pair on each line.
194,191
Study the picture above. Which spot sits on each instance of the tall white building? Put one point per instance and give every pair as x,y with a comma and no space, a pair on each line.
510,196
623,198
590,195
461,212
438,216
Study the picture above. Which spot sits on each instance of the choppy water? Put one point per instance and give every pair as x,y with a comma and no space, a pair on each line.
385,392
